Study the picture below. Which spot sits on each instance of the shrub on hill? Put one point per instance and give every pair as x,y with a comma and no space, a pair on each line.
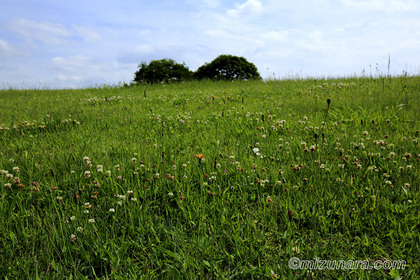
164,70
228,67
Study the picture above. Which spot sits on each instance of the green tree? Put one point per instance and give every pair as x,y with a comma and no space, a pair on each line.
164,70
228,67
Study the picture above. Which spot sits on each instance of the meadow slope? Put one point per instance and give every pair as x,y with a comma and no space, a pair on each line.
211,180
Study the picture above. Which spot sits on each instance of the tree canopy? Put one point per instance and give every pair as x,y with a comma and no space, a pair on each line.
224,67
164,70
228,67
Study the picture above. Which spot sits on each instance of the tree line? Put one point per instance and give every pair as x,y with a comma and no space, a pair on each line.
224,67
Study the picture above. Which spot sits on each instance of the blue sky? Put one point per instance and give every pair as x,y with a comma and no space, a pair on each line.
75,44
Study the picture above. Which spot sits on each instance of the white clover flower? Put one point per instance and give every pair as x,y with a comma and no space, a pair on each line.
59,198
73,218
87,174
119,203
16,169
134,199
111,210
388,182
79,229
86,211
91,221
129,192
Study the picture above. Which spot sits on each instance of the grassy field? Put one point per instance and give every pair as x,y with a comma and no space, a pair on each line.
211,180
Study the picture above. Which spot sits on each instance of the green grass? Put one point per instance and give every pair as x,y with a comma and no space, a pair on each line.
336,181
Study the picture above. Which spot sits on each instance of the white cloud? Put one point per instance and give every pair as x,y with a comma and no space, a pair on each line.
83,70
4,46
205,3
212,3
74,64
64,78
278,36
383,5
6,50
46,32
144,49
88,34
248,9
49,33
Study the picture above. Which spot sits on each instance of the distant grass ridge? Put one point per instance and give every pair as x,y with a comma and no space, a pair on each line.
109,183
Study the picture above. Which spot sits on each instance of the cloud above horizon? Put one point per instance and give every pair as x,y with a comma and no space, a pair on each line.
62,45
